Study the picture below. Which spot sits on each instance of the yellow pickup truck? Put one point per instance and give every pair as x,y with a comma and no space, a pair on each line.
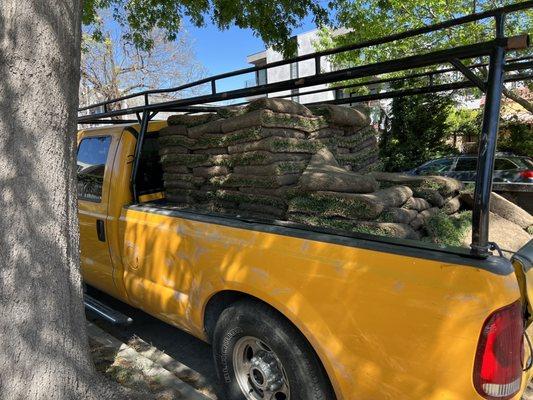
297,314
309,314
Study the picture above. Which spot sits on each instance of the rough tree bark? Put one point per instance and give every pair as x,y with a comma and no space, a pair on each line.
43,344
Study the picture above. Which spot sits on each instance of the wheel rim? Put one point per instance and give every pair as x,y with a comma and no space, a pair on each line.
259,371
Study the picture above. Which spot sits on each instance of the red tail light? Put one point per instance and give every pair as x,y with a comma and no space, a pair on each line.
498,364
528,174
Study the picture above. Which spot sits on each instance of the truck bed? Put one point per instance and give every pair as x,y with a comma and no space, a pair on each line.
430,251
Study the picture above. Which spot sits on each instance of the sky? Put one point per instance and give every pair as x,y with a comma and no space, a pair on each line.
219,51
225,51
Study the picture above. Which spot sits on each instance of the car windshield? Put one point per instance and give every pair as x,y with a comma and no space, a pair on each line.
523,162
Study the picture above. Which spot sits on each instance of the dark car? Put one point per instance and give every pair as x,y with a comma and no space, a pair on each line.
507,168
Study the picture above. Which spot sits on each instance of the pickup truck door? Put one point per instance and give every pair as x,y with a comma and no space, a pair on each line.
94,155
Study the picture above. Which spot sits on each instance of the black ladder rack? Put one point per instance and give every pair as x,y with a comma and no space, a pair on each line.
500,70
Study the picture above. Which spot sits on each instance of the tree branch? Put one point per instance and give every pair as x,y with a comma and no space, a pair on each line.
133,87
512,95
528,105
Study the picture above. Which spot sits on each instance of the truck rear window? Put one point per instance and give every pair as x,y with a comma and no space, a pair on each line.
92,157
150,175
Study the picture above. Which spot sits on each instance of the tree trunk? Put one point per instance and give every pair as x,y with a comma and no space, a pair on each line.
43,343
520,100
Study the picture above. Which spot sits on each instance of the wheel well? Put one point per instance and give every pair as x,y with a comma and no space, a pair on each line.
217,304
222,300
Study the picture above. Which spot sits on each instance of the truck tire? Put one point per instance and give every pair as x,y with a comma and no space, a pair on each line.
260,355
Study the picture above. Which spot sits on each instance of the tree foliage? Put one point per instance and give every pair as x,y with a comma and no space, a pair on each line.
418,132
516,137
464,122
369,19
271,20
372,19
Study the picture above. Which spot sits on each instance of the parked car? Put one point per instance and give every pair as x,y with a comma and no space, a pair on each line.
507,168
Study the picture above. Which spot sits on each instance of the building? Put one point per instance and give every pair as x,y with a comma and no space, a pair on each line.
306,45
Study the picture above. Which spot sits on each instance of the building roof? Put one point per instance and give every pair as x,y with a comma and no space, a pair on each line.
256,57
261,56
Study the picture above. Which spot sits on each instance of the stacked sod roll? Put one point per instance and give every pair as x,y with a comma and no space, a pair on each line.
246,160
279,160
377,203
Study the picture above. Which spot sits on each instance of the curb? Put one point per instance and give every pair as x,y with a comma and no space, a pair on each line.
151,362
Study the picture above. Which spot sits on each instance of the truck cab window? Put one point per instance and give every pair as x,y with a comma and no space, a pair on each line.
92,156
150,175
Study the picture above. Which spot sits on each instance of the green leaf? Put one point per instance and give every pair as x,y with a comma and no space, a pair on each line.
272,21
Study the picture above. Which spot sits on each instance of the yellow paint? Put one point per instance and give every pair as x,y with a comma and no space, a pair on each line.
525,282
145,198
385,326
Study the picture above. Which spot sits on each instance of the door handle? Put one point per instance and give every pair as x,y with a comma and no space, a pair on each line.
100,230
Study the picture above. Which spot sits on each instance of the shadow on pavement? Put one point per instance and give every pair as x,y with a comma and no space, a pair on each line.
179,345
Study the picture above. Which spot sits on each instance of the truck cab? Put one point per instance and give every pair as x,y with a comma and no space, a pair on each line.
104,162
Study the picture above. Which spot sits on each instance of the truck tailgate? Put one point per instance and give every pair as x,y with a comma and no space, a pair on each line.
523,265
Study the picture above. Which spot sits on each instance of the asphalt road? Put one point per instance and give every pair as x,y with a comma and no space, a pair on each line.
181,346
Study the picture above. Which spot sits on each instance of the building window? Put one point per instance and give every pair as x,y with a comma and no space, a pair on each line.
294,70
341,94
294,75
96,110
261,77
295,95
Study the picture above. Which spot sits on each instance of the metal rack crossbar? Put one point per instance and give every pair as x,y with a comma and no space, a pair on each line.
500,70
